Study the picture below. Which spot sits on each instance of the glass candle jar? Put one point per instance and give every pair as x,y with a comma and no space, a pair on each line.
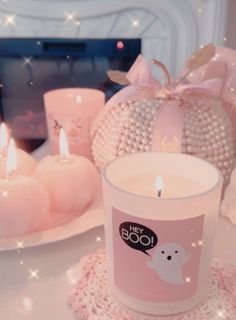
159,239
73,109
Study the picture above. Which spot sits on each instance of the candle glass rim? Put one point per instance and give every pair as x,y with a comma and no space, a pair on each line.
74,89
181,198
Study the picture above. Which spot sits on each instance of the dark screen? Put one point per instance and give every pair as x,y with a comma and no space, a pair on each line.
30,67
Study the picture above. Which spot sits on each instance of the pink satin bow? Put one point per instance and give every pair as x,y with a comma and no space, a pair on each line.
139,75
220,75
212,87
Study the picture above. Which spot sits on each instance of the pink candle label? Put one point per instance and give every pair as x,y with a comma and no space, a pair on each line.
77,129
168,127
156,261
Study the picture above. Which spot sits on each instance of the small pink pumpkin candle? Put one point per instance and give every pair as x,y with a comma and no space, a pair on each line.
25,163
71,180
23,201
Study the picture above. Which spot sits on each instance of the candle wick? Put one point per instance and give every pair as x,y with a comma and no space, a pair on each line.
10,174
64,159
159,193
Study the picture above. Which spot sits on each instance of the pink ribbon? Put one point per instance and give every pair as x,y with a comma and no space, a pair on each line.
139,75
221,71
169,119
212,86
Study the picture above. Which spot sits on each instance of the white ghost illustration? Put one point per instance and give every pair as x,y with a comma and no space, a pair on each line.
168,261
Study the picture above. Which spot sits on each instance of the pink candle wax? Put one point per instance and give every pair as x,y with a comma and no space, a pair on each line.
26,164
71,180
73,109
23,201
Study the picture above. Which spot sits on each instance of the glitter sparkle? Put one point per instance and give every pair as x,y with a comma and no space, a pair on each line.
135,23
33,274
216,57
220,314
9,20
19,244
98,239
200,243
27,60
4,194
70,17
188,280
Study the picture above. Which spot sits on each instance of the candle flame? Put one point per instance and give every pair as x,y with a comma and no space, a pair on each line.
78,98
63,144
3,136
11,157
159,184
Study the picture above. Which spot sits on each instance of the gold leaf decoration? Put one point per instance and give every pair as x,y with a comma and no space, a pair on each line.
201,57
118,77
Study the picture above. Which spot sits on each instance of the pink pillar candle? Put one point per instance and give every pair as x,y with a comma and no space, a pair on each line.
73,109
71,180
159,232
23,201
25,164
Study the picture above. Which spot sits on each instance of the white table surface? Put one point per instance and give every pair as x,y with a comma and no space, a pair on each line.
34,281
45,297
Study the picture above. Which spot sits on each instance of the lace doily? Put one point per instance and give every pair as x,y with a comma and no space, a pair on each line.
90,298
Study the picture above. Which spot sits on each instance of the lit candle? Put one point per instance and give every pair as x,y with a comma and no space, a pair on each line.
159,185
23,201
70,180
159,241
25,163
4,136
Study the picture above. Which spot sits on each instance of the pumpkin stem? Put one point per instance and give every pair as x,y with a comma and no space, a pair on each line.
164,70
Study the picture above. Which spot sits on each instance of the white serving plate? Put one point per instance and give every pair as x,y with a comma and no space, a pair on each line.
60,228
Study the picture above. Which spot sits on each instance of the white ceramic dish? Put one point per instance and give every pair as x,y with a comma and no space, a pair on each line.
58,229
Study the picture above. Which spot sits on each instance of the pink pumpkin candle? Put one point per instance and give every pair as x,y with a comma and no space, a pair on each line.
74,110
25,163
71,180
23,201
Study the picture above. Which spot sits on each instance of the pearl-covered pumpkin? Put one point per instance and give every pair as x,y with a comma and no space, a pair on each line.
192,120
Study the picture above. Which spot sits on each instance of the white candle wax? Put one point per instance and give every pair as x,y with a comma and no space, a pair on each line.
174,186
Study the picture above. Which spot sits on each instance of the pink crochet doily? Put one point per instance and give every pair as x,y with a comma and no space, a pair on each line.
90,298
